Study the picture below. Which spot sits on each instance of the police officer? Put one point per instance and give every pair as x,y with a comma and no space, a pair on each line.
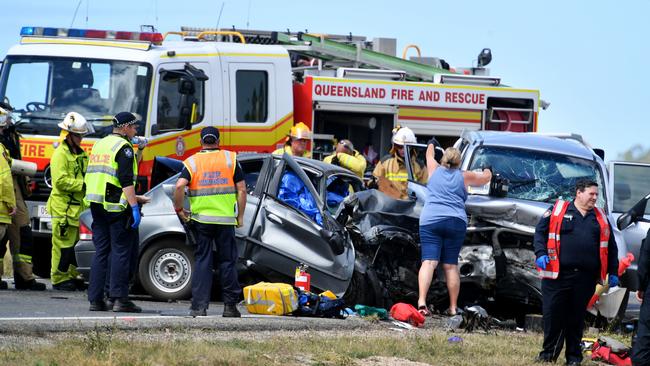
571,270
7,197
347,157
110,190
641,348
19,232
296,145
68,167
390,172
217,194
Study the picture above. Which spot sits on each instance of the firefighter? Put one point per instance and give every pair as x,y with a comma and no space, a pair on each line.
19,232
110,191
391,172
7,198
571,270
217,194
68,167
347,157
296,144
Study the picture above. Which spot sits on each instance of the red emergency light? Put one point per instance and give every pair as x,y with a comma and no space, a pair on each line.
154,38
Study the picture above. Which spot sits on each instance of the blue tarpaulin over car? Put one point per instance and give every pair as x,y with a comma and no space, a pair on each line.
293,192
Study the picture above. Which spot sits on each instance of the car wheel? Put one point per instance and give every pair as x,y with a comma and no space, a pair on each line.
359,291
165,270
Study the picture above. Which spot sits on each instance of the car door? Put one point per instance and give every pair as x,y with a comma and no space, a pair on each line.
283,236
629,183
415,155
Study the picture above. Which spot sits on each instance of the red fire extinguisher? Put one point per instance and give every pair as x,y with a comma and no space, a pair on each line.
303,279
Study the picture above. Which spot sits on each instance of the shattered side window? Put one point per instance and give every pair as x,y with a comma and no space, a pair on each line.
538,175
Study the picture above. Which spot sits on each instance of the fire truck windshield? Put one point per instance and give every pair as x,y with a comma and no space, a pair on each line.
43,89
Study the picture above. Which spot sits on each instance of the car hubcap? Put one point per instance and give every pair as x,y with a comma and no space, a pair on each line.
170,270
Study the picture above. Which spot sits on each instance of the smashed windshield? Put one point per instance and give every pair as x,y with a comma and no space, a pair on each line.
537,175
43,90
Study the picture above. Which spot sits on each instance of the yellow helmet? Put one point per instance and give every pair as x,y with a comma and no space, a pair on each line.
300,131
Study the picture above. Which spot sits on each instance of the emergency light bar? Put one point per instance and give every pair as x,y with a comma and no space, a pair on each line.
154,38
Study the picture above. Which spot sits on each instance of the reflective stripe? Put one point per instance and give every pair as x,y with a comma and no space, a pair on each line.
23,258
109,206
102,169
192,164
116,146
215,219
558,208
210,191
547,274
604,244
228,159
397,177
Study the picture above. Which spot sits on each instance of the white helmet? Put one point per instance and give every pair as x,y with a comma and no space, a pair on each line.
76,123
403,135
4,117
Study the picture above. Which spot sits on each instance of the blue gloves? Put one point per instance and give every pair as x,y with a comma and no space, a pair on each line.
613,280
542,261
136,216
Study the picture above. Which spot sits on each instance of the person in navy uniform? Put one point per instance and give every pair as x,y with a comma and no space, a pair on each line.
641,348
570,271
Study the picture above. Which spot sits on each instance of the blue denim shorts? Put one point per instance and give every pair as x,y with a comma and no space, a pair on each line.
441,241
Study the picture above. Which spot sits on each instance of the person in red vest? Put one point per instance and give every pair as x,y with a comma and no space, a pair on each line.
570,270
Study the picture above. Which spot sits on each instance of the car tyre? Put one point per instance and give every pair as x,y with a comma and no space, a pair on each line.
165,270
360,291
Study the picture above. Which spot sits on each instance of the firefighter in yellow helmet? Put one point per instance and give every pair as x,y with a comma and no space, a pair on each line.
68,167
19,232
7,196
296,144
391,173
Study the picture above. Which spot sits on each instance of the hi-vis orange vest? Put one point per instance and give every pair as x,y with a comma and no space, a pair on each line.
553,244
212,192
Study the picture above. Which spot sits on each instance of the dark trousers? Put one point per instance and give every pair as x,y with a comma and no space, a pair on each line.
641,350
223,236
564,306
114,248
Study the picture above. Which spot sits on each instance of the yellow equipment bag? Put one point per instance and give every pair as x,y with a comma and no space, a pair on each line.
270,298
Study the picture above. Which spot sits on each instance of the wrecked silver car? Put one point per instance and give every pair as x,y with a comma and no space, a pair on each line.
276,236
531,172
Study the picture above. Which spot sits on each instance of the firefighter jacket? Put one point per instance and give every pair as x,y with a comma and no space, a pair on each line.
576,242
394,170
355,162
287,149
7,196
212,191
102,183
68,170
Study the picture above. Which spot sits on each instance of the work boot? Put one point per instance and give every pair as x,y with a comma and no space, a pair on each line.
198,312
81,284
98,306
125,306
543,359
230,311
28,285
3,285
109,304
65,286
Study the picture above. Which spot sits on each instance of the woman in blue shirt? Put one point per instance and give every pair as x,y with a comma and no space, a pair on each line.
443,222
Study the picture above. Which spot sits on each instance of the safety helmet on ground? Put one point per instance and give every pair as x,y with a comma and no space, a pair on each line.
4,117
403,135
300,131
76,123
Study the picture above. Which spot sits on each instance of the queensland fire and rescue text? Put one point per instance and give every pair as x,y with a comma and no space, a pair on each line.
363,92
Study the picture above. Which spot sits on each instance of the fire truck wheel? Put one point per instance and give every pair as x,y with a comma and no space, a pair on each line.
165,270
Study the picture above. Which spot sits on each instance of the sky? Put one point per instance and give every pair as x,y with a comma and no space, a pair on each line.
587,58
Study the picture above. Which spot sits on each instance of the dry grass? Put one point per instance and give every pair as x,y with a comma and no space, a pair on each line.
195,347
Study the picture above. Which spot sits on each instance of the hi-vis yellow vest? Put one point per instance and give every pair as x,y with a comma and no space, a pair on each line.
102,170
212,191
